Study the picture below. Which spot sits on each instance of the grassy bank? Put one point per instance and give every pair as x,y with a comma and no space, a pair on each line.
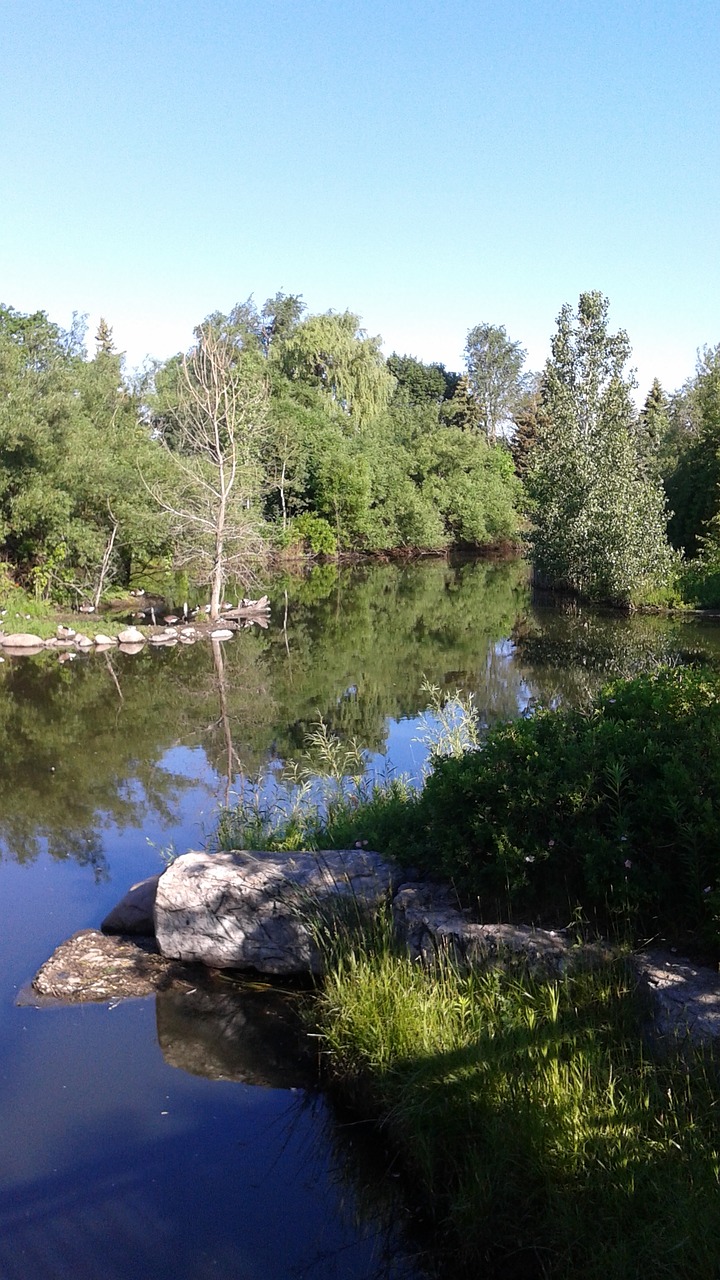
538,1133
542,1132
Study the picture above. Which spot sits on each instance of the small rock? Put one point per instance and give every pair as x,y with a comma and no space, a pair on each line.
134,913
97,966
131,635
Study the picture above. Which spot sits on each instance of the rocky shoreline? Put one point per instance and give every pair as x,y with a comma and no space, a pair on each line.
258,913
133,639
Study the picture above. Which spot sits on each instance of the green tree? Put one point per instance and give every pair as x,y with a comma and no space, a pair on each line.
73,512
332,352
494,369
653,428
421,384
599,522
104,338
693,484
462,409
527,420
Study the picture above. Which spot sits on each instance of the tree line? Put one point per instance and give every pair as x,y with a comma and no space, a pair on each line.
280,431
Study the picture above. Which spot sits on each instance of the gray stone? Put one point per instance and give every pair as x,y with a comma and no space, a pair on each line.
22,640
685,997
131,635
244,910
96,966
102,640
428,921
134,912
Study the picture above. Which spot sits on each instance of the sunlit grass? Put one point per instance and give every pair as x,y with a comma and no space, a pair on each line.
535,1128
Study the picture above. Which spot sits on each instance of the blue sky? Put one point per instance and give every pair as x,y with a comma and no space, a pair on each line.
428,166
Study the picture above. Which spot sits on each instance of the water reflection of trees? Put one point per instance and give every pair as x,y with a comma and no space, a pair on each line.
362,654
77,756
565,654
83,744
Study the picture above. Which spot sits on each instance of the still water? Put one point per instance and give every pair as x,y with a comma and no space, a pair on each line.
180,1138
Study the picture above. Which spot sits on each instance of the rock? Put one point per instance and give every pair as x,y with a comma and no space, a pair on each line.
131,635
244,910
97,966
83,642
222,633
23,651
685,997
428,921
134,913
104,641
132,648
22,640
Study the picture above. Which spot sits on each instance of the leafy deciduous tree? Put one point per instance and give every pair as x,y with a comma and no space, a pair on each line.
599,522
494,370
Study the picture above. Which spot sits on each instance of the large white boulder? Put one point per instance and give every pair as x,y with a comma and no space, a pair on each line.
245,910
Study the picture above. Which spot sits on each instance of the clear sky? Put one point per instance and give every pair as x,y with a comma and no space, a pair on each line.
428,166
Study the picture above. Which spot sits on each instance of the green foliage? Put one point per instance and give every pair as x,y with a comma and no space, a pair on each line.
72,448
332,352
312,532
693,485
494,369
653,429
615,809
421,384
536,1134
598,519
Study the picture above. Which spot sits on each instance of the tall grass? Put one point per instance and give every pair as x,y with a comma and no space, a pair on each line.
534,1125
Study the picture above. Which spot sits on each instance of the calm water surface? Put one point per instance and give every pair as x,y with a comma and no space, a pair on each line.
184,1137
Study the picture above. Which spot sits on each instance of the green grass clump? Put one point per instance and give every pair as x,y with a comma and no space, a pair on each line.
538,1135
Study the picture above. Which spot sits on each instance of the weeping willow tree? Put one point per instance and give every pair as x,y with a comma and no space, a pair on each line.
333,352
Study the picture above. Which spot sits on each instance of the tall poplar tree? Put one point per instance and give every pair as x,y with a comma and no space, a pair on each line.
599,518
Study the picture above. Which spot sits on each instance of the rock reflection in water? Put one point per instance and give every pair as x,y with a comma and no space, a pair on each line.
225,1031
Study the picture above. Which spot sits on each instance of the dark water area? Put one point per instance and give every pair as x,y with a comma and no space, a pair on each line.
184,1136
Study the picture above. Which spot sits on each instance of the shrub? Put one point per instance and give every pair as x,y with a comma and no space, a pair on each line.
615,809
314,532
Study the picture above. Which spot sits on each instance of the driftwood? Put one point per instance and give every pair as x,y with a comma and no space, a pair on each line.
247,608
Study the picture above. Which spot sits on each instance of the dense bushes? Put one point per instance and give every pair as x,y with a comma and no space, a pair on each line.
614,811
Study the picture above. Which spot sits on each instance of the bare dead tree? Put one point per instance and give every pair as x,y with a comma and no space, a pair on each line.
213,428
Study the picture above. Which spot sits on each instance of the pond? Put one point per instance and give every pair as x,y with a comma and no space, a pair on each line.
185,1137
